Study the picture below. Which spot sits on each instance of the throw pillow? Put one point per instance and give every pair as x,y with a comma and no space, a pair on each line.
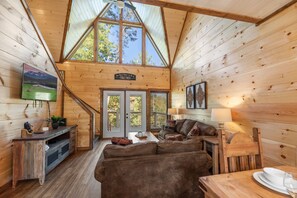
187,126
121,141
170,124
194,131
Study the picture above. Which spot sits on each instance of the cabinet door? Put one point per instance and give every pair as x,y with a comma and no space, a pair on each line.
28,159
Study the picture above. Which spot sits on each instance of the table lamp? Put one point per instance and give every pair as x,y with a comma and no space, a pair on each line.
172,112
221,115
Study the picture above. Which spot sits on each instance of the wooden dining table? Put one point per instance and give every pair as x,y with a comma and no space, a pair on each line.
239,185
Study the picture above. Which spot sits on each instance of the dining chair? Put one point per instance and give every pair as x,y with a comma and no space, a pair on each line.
240,152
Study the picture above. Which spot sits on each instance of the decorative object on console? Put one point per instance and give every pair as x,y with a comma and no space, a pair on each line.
221,115
55,121
200,95
190,103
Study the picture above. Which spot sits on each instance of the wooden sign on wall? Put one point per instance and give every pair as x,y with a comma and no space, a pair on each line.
124,76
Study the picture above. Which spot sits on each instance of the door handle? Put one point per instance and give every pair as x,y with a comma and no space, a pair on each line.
127,115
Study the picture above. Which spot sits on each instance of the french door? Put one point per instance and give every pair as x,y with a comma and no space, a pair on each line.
123,112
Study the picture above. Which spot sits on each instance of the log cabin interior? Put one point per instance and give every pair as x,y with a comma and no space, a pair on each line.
129,66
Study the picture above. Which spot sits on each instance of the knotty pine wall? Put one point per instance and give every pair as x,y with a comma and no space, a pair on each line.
86,80
19,44
252,70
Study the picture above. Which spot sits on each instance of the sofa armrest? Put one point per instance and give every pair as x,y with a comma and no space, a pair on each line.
100,170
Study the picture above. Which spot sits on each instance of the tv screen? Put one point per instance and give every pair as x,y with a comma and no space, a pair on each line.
38,85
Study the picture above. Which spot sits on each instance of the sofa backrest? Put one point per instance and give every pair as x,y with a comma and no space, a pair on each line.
179,146
184,127
206,130
137,149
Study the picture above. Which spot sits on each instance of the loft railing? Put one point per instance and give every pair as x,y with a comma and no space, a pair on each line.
87,108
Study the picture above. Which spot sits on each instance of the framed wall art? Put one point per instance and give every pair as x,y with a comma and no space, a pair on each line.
190,97
200,95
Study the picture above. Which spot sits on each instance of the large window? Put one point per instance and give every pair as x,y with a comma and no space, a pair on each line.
158,109
108,43
117,37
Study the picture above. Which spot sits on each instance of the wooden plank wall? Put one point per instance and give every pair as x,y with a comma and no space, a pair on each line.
18,44
252,70
50,16
86,80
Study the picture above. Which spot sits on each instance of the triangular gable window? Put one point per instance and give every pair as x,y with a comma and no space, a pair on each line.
129,15
85,51
112,13
152,56
119,40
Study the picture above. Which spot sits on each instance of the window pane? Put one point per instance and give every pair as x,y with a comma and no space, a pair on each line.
112,13
132,45
128,15
152,57
158,109
108,43
113,109
135,111
85,51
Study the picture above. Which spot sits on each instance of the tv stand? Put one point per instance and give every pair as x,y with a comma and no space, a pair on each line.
32,161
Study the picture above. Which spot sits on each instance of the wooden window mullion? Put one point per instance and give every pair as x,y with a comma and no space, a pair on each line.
121,39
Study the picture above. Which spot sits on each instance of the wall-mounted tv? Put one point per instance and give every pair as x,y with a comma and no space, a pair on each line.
38,85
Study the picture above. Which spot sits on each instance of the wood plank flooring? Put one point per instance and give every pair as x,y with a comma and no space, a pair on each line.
73,178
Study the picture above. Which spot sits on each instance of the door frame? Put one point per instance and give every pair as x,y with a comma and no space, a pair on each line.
148,103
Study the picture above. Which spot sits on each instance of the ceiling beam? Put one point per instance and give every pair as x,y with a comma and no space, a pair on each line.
199,10
276,12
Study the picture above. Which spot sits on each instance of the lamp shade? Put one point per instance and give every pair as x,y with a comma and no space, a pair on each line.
221,115
172,111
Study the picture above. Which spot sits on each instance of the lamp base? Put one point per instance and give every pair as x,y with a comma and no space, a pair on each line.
221,125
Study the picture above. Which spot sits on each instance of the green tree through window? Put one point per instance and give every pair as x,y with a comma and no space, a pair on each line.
110,23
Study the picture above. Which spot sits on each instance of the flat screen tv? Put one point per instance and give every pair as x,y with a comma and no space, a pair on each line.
38,85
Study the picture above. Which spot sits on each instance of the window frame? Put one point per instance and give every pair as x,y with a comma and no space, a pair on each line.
121,24
150,109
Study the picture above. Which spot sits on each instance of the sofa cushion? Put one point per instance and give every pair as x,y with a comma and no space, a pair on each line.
164,132
206,130
195,131
174,137
187,126
179,146
179,124
138,149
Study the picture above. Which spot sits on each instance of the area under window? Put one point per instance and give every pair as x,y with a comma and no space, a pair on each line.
119,40
158,109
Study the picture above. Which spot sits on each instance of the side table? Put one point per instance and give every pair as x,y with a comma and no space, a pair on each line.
211,144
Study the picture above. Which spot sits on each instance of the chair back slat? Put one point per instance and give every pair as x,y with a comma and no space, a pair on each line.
240,152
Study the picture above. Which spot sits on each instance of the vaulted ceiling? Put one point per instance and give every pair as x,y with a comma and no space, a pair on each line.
52,17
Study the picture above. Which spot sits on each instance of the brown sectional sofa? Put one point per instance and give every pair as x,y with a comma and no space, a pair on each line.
164,169
187,129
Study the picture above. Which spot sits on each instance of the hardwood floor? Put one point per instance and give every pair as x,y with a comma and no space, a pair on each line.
72,178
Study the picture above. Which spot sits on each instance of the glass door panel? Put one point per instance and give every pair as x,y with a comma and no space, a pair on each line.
136,116
113,114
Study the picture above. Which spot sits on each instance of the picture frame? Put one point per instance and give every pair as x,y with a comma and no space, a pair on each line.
200,95
190,96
